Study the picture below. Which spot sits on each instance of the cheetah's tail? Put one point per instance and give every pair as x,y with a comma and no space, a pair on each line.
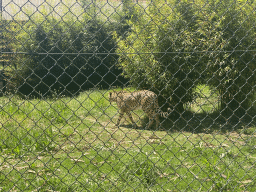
165,114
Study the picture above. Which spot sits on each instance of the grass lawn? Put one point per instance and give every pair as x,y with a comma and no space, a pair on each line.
72,144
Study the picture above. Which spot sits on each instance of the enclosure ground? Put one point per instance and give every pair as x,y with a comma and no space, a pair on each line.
72,144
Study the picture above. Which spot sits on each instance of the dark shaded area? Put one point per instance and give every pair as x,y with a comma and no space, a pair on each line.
56,66
204,123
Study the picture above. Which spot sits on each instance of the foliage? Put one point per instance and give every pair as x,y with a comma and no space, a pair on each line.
166,46
65,57
232,65
161,43
140,171
6,39
122,25
177,45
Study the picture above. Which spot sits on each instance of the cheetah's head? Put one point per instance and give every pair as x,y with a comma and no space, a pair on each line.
113,96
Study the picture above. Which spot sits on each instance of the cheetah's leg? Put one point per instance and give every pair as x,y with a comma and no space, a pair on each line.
151,121
119,119
130,116
157,121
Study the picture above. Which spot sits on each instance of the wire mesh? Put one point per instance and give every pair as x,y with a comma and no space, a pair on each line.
127,95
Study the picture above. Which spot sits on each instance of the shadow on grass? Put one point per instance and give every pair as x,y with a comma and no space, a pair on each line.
205,122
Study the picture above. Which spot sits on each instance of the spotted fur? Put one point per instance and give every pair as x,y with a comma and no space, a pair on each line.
145,100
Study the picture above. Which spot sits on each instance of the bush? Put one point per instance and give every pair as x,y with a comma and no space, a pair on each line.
65,56
176,45
122,25
160,42
232,64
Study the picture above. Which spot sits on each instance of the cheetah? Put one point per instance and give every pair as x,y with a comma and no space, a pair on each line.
145,100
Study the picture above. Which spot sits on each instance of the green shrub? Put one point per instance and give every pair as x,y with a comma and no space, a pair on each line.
161,42
175,45
65,55
141,171
232,64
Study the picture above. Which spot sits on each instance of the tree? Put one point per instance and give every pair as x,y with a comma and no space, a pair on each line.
160,47
233,67
128,13
175,45
66,57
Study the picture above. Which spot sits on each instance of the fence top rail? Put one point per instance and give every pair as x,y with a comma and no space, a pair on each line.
127,53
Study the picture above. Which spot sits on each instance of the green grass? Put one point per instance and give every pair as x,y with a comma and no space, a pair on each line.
71,144
206,100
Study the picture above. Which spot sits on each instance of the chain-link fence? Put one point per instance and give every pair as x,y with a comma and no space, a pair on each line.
111,95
